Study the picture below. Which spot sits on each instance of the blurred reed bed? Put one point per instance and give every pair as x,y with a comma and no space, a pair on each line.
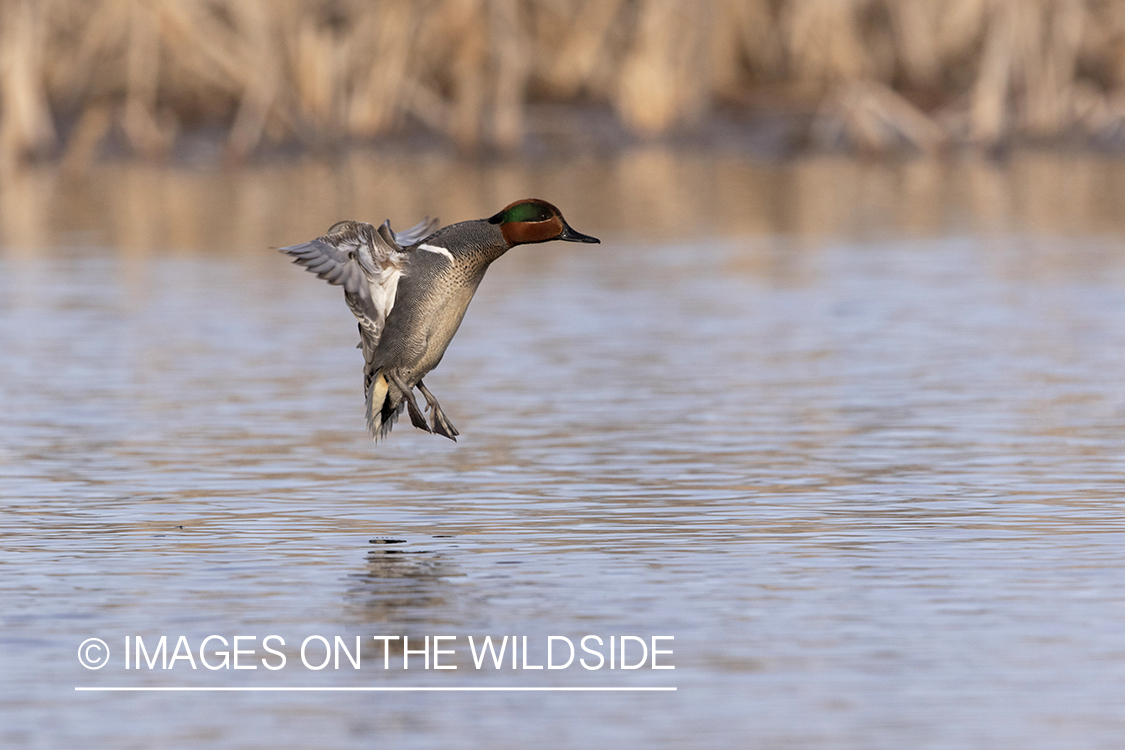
866,74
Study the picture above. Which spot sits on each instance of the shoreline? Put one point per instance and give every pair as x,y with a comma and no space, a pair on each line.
558,132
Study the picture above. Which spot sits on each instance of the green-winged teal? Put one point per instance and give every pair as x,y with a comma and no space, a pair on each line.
410,291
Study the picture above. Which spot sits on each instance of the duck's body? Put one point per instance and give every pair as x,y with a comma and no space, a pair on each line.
410,292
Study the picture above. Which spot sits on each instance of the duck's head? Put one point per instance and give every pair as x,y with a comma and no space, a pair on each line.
533,220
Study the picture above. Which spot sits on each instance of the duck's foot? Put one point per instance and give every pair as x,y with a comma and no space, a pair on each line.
438,422
416,417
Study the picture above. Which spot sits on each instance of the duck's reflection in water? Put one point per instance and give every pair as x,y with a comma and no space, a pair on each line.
405,581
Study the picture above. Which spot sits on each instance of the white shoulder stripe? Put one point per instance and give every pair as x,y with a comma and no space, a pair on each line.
438,250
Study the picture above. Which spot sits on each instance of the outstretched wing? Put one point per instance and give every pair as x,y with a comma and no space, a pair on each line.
333,257
416,233
367,262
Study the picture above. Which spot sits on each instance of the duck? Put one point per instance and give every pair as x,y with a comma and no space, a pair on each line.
409,291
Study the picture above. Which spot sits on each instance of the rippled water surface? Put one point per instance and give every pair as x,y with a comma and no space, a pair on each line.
871,483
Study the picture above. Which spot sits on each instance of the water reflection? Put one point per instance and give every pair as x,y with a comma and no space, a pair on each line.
649,192
403,582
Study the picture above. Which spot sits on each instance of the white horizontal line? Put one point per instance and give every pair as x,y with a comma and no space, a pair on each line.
375,689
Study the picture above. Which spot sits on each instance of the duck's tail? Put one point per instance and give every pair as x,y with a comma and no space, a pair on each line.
382,408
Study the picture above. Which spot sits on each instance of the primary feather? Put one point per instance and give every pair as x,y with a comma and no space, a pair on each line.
367,262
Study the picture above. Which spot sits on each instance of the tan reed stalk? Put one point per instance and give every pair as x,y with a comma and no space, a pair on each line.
878,73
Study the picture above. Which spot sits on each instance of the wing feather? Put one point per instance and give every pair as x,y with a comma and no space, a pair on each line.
332,258
416,233
367,262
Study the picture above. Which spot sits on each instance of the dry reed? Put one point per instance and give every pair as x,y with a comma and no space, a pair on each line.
877,74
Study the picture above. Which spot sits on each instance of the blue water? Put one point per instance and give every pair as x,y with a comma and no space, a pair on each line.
871,486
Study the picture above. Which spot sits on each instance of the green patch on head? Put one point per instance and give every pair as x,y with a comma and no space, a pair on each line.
528,211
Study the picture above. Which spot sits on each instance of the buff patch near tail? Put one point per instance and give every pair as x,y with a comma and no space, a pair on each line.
377,425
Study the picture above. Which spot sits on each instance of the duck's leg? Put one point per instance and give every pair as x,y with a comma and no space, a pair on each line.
416,417
440,424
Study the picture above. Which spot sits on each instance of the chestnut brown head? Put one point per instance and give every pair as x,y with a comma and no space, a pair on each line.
533,220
